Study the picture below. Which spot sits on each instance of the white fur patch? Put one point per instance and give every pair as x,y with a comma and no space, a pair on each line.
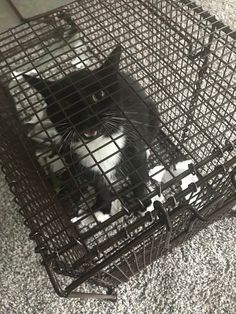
100,216
74,219
85,221
157,173
116,206
160,174
101,148
179,168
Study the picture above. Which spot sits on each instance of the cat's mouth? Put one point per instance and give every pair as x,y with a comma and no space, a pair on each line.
90,134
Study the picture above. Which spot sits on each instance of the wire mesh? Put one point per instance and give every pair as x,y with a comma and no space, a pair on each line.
182,62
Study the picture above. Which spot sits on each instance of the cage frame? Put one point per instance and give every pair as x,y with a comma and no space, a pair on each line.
217,208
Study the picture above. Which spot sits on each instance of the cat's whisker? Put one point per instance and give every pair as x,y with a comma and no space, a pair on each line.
66,130
65,137
126,122
110,127
131,134
123,113
126,119
65,133
139,122
70,138
61,123
106,128
135,112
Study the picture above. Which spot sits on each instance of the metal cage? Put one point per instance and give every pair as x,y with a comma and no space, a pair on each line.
185,61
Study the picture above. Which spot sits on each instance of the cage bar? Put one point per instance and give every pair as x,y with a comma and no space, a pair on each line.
184,62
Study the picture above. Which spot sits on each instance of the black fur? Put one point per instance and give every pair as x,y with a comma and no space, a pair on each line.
120,101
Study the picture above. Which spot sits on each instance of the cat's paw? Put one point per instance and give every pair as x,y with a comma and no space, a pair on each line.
101,210
100,216
116,206
137,207
74,219
87,220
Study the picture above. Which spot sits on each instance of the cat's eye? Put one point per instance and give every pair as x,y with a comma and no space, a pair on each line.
98,96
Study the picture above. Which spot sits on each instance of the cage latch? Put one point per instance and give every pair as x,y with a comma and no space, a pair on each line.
165,219
196,215
219,152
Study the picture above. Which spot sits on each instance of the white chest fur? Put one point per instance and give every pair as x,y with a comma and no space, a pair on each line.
102,154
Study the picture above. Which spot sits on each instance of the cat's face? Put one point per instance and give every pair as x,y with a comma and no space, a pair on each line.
83,100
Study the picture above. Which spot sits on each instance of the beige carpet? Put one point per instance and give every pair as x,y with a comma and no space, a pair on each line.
224,10
199,277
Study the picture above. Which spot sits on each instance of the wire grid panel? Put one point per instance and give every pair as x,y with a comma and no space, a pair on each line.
185,62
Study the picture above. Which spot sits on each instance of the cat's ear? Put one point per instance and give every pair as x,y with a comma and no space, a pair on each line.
42,86
111,65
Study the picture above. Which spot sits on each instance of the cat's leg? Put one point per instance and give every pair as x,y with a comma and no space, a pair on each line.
74,183
71,192
102,206
138,174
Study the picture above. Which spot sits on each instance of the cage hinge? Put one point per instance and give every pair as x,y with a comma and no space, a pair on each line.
230,145
16,200
220,169
172,201
26,221
127,235
193,187
40,249
192,169
219,152
13,187
34,234
98,252
165,219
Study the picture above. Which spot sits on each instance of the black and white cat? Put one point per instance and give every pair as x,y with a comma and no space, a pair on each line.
106,123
